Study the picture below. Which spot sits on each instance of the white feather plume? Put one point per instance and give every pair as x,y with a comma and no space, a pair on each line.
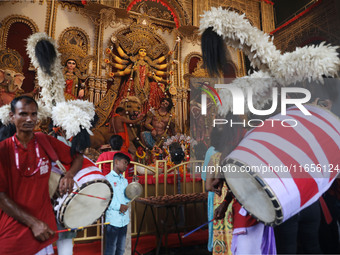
4,114
52,86
236,30
307,63
261,84
43,111
72,115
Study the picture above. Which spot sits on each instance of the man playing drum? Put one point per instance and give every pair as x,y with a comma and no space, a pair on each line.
27,221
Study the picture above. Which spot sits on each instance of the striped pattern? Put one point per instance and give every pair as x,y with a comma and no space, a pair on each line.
315,140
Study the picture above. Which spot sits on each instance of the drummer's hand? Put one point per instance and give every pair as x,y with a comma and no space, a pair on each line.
123,208
217,185
219,212
66,184
41,231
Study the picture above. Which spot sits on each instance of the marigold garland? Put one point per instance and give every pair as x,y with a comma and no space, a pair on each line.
139,156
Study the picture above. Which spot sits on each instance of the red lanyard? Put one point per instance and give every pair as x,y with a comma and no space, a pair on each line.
17,158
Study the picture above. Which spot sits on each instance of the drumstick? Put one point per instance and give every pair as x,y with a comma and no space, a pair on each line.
197,228
87,195
132,200
71,229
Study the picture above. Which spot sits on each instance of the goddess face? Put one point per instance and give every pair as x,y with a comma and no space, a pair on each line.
142,52
71,64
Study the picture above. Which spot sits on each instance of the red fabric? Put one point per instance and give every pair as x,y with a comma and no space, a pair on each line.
151,179
124,135
106,167
145,244
86,163
268,2
155,95
242,221
142,75
30,193
90,173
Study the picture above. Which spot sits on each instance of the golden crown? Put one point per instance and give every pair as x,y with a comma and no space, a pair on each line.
142,36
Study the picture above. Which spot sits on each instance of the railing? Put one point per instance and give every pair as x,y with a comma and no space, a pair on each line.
159,171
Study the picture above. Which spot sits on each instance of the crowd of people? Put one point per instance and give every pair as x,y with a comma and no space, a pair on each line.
27,221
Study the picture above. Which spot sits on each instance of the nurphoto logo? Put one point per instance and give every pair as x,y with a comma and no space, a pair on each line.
239,99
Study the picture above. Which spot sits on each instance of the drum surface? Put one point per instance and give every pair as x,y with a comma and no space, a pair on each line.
79,210
276,176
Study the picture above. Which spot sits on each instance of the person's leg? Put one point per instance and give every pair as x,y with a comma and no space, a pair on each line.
309,224
286,236
120,247
111,237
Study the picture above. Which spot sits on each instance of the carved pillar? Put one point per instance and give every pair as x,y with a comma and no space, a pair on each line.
195,14
97,90
267,14
179,109
116,3
91,89
104,88
242,66
51,16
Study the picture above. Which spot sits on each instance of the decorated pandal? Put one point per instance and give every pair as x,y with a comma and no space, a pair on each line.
140,79
143,68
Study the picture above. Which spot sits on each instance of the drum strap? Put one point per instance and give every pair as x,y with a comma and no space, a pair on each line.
325,210
45,143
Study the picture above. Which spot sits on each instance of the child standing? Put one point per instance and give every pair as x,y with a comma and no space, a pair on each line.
117,213
116,142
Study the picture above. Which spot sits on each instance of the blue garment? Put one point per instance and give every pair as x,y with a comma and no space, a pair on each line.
148,139
115,240
211,151
119,184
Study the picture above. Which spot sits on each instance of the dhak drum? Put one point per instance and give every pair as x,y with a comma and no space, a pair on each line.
277,171
83,207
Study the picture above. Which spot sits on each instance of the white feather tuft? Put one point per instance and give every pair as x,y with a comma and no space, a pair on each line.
261,84
307,63
73,115
4,114
52,87
43,111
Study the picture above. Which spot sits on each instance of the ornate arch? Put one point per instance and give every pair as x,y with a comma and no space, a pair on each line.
188,58
74,43
185,19
79,36
174,6
7,22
